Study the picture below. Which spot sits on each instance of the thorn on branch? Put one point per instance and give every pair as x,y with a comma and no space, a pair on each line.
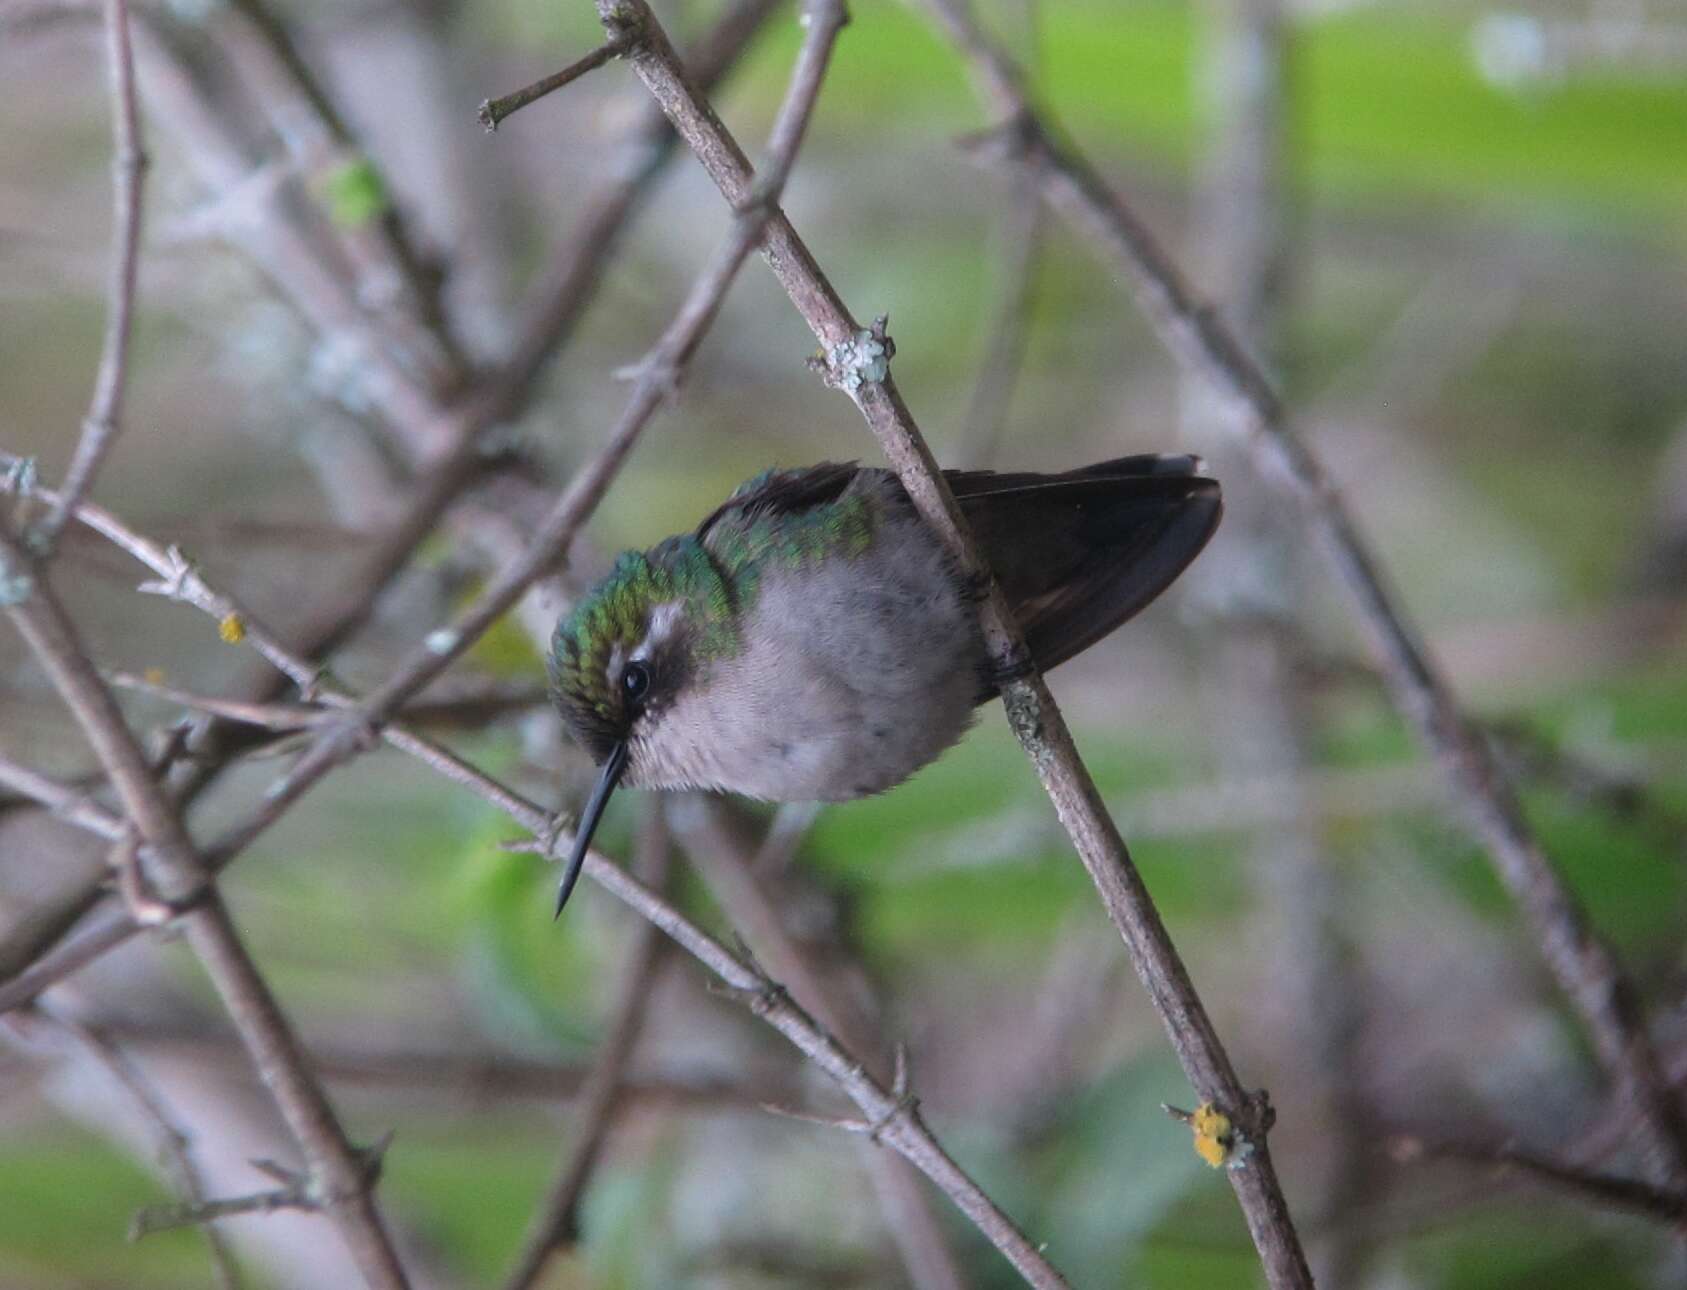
762,997
172,747
903,1104
173,585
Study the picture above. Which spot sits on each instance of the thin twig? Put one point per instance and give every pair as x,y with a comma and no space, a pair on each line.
1586,968
904,1130
856,362
183,881
165,1218
658,373
1009,331
128,166
466,1077
63,800
570,282
276,72
493,112
1658,1203
555,1224
901,1126
172,1143
737,882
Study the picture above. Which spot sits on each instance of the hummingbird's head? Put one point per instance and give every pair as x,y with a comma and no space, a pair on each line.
630,646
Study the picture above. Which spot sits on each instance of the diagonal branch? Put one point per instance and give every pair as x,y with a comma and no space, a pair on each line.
1586,968
898,1120
912,1137
184,882
565,292
856,364
128,165
1657,1203
658,373
556,1222
173,1144
723,857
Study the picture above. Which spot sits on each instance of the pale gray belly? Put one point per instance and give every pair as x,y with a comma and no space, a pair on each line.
852,677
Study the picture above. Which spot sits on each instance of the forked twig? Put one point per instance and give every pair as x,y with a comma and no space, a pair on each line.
555,1223
1586,968
173,1144
855,361
184,882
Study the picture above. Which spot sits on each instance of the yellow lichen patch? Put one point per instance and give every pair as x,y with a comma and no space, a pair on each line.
153,676
1213,1136
232,629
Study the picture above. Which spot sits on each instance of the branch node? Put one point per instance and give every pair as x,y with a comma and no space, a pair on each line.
654,369
1017,140
865,357
1219,1140
173,585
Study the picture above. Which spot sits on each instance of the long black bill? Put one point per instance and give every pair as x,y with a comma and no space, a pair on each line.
607,778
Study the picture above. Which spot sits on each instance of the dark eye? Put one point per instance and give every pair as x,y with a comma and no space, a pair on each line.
635,681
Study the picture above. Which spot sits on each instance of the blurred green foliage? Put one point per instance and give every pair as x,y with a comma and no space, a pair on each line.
1392,118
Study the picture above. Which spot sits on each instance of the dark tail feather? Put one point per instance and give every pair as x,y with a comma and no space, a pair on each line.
1080,553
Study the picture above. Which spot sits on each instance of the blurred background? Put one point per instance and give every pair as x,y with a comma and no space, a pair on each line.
1458,234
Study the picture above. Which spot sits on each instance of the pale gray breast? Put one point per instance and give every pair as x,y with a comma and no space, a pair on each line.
854,674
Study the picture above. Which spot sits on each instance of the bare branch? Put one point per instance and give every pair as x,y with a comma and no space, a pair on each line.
66,802
165,1218
857,361
1661,1204
183,880
128,164
172,1142
737,883
571,280
493,112
1586,968
1009,332
382,249
555,1223
466,1078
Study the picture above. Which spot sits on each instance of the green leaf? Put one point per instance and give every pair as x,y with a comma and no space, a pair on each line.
354,193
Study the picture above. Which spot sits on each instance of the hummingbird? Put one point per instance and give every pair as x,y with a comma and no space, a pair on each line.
813,640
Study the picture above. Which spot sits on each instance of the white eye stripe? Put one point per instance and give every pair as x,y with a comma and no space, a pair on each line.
664,619
612,669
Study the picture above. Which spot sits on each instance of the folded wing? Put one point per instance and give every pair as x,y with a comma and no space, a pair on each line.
1078,554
